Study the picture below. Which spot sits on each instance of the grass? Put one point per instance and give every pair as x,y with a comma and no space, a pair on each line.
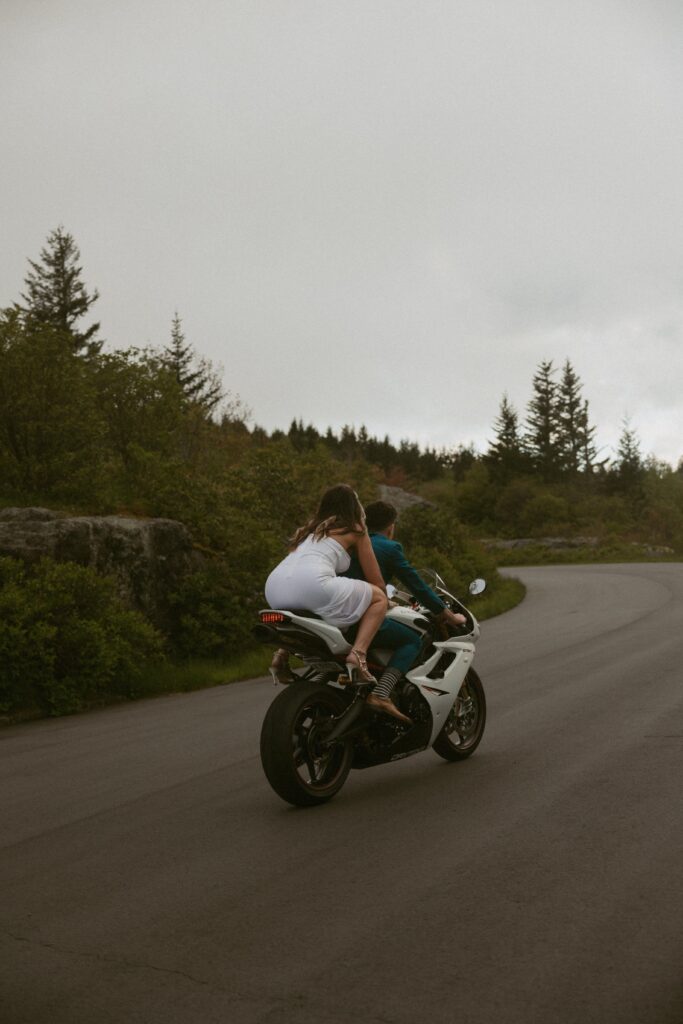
534,554
200,673
168,677
505,594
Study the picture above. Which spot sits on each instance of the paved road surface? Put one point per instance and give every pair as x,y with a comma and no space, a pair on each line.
149,874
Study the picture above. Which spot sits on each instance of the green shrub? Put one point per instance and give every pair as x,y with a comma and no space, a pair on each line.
214,613
66,640
433,538
545,514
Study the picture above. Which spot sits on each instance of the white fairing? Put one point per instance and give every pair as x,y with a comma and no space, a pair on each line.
411,617
330,634
440,693
408,617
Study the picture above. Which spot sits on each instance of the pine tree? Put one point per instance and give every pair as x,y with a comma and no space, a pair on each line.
629,465
505,453
296,429
430,466
330,439
575,438
387,454
460,460
302,438
198,380
348,443
55,294
588,453
543,426
409,457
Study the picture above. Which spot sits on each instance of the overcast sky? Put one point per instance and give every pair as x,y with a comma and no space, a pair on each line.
368,211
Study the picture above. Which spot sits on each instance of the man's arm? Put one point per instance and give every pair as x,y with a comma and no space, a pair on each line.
413,581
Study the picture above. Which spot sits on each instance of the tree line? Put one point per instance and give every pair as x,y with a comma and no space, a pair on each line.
152,429
556,441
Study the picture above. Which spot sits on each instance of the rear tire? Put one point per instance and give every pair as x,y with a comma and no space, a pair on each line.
464,727
297,766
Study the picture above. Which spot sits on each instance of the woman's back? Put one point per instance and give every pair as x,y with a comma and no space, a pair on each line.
308,578
327,551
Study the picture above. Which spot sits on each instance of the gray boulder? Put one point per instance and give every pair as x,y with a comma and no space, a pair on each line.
146,557
401,499
555,543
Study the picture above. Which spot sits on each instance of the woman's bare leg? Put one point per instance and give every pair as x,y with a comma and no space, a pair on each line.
372,619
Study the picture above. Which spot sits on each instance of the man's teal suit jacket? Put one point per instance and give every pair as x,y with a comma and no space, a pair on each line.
393,563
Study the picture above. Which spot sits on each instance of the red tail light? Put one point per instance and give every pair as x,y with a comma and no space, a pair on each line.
273,618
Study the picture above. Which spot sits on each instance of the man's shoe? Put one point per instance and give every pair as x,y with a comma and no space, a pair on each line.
388,707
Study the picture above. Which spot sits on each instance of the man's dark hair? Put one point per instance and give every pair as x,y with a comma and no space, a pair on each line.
379,515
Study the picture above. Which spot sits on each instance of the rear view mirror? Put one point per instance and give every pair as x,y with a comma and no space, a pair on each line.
477,586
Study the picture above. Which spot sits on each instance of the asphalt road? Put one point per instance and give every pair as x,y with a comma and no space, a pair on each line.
149,874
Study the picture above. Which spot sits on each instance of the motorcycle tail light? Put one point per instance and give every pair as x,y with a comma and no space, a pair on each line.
273,618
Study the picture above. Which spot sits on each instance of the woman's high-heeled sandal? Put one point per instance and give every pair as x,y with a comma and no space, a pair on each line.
358,666
279,668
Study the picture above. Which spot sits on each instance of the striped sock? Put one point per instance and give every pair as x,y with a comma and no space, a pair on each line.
387,681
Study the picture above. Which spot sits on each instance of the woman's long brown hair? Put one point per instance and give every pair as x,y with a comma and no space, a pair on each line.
339,509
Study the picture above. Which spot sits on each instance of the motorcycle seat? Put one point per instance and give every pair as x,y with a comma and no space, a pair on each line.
305,613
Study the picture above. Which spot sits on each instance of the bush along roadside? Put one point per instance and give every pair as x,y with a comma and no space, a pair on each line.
198,673
66,640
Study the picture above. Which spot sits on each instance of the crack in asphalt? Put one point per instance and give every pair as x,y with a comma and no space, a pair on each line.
278,1004
125,805
105,958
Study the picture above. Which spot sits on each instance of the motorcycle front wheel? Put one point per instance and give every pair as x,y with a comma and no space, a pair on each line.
463,729
297,764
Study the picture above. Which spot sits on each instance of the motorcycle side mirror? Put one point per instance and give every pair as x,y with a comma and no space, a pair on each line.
391,591
477,586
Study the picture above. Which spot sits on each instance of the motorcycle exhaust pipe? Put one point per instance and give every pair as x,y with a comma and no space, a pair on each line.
346,720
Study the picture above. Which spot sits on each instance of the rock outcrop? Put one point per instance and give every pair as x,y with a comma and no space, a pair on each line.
401,499
556,543
560,543
146,557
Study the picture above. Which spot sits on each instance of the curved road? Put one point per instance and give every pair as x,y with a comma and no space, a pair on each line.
150,875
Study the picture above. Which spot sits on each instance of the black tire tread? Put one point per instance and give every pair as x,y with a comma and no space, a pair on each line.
276,744
442,744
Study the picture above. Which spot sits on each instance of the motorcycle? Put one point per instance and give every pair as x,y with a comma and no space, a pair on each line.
319,727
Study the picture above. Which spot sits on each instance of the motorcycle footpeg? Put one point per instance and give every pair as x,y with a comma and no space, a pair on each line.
355,683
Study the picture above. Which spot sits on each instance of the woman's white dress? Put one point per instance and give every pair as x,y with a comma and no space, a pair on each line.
308,579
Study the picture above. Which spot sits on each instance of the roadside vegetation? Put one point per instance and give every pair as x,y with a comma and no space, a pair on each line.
149,431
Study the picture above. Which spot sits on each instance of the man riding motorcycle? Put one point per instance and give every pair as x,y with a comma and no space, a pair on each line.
381,519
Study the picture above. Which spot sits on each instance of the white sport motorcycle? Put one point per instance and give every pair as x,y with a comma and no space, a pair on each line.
319,726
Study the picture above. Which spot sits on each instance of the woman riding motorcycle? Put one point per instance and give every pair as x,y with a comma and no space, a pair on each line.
309,577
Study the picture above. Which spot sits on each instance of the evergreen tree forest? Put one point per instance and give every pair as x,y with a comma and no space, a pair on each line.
150,431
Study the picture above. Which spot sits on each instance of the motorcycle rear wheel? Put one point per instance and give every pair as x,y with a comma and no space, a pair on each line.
464,727
297,765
